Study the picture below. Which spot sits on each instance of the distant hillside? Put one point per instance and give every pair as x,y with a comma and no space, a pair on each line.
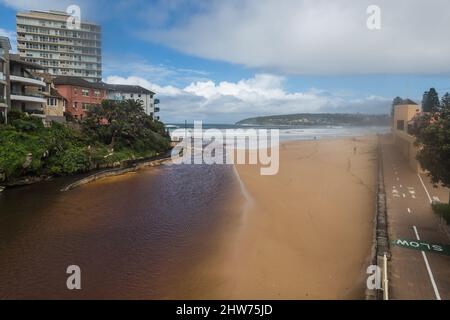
314,119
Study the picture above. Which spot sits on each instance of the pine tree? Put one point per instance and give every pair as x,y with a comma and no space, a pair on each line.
430,102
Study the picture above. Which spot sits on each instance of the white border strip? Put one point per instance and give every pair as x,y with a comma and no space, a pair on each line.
433,283
423,184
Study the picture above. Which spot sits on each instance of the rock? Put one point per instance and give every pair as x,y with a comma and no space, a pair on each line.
28,160
2,189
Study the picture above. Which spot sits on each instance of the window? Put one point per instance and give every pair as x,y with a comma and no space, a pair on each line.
401,125
85,92
97,93
131,96
75,91
51,102
86,106
75,105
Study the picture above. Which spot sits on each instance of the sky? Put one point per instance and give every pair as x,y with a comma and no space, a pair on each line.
222,61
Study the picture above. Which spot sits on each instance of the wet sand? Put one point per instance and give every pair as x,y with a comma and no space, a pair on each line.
308,232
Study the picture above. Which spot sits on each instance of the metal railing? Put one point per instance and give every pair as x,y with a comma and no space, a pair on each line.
385,278
26,94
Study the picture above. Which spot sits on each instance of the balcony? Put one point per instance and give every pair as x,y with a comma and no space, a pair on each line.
157,109
157,101
27,97
3,103
27,80
2,77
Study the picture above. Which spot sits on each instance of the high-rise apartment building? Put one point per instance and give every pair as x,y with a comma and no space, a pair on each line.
47,39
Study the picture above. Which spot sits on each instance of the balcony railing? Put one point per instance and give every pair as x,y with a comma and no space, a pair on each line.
157,101
157,109
27,94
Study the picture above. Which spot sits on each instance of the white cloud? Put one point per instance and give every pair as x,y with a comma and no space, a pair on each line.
261,95
317,36
38,5
134,80
160,73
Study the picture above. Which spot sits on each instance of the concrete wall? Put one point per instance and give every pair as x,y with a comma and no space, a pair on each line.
404,141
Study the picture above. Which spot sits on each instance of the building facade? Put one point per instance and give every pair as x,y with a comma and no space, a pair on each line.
80,95
26,88
404,114
119,92
45,38
5,102
56,104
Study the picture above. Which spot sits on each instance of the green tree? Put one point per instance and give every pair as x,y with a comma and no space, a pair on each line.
396,102
430,101
433,138
445,102
125,125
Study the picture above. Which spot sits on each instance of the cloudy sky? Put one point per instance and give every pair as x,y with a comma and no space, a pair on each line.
222,61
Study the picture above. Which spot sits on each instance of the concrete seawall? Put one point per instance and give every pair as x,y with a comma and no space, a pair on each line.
130,166
380,245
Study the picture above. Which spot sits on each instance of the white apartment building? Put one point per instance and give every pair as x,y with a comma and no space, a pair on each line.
121,92
43,37
27,89
5,101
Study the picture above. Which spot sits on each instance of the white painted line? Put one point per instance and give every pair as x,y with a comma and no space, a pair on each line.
436,199
401,186
423,184
416,232
433,283
398,179
413,197
404,195
409,210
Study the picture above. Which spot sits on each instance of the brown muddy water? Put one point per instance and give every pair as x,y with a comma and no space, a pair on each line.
154,234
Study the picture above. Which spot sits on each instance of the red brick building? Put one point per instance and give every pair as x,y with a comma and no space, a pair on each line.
80,94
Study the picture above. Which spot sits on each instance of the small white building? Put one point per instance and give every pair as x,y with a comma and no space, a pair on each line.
120,92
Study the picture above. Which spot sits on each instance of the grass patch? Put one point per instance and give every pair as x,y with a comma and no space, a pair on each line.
442,209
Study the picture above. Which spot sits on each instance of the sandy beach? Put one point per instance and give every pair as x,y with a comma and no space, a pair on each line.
307,231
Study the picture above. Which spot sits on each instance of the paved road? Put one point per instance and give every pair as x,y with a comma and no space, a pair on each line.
414,274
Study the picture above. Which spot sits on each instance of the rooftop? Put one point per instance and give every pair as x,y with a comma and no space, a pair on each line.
79,82
50,15
408,102
128,88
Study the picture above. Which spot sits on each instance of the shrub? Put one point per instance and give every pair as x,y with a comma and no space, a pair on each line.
443,210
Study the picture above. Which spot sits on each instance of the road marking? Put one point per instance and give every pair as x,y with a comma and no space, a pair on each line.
423,184
401,186
436,199
433,283
409,210
398,179
404,195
